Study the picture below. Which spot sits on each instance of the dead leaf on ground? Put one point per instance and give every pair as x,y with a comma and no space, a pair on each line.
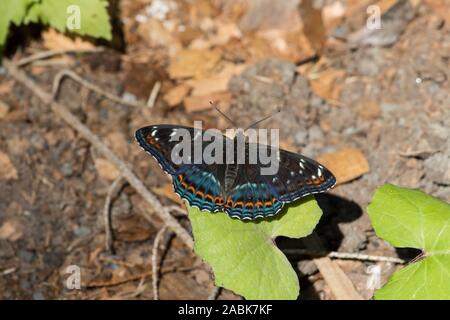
132,229
176,95
440,8
166,191
313,26
346,164
54,40
216,83
11,230
4,109
369,109
117,142
7,169
202,103
328,84
106,169
332,15
154,34
193,63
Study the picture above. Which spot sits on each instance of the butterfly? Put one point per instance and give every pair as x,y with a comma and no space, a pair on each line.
240,190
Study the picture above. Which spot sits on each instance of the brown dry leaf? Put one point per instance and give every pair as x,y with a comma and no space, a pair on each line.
332,15
369,109
217,83
132,229
7,169
106,169
193,63
346,164
11,230
313,26
4,109
290,45
176,95
54,40
117,142
154,34
327,84
440,7
166,191
6,87
202,103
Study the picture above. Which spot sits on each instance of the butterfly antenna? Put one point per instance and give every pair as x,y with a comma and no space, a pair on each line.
264,119
223,114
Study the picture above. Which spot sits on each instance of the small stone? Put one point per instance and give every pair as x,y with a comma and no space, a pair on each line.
27,256
38,296
67,169
301,137
128,97
307,267
387,108
315,133
38,142
82,232
438,169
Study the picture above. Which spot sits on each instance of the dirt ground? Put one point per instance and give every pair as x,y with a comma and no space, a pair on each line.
390,102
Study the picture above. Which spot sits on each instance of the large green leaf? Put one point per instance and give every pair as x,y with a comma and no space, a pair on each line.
12,11
94,19
243,254
412,219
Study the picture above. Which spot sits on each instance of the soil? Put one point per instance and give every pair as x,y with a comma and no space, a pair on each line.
394,107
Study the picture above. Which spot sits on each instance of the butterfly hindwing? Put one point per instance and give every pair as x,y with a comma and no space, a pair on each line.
264,195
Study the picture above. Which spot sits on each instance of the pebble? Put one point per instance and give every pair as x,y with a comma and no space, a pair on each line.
82,231
38,296
315,133
301,137
27,256
67,169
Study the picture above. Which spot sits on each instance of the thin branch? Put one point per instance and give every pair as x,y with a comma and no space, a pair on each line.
112,192
155,279
68,73
153,95
340,285
344,255
122,166
47,54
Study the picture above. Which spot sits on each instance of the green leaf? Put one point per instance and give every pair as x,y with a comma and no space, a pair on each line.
12,11
243,254
412,219
93,16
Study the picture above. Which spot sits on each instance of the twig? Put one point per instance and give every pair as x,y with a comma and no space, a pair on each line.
122,166
153,95
180,211
51,53
215,293
112,192
344,255
100,284
155,262
340,285
68,73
